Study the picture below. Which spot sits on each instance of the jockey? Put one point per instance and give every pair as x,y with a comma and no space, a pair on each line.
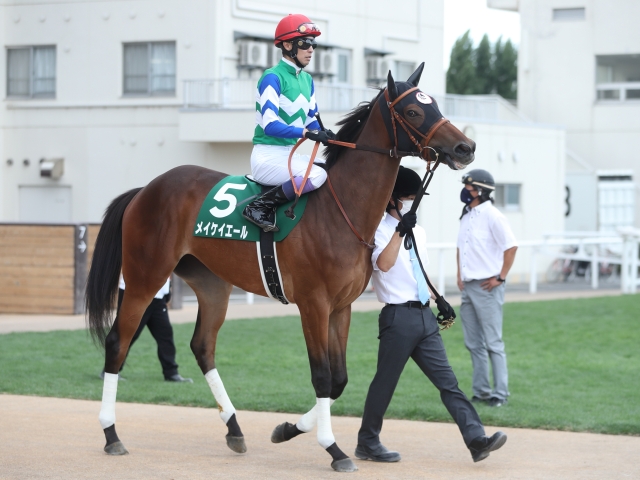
285,112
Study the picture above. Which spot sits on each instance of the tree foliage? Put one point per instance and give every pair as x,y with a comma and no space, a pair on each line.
484,69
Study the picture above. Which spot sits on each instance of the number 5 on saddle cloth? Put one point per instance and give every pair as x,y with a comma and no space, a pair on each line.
221,217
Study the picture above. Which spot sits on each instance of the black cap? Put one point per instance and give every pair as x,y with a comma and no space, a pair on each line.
408,183
479,178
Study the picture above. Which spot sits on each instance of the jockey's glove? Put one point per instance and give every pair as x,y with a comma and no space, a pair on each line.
322,136
406,224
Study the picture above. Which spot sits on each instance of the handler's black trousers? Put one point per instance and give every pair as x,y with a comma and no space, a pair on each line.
413,332
157,319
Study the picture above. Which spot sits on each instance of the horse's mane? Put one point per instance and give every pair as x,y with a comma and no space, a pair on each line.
352,124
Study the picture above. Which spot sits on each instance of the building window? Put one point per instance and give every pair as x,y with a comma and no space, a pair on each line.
568,14
618,77
149,68
507,196
31,72
344,67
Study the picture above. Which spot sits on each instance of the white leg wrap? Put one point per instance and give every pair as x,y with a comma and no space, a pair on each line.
325,434
308,421
217,388
108,410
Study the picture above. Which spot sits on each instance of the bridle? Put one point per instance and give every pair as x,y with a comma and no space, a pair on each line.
396,119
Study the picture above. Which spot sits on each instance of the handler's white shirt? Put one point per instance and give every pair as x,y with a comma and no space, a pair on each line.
398,285
483,238
161,293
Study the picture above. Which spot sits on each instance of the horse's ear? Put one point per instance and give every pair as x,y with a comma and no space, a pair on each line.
391,87
414,79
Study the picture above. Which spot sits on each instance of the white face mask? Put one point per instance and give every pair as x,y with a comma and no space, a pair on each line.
406,206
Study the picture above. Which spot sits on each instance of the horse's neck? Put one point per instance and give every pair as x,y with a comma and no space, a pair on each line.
364,180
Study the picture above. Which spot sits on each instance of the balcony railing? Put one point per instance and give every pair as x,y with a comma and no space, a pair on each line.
217,94
618,92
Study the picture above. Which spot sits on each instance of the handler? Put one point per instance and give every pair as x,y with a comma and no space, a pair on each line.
285,112
486,251
408,328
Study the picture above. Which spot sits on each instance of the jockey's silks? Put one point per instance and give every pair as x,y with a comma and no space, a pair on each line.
285,104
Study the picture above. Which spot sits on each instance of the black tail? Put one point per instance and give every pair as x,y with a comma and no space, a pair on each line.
102,284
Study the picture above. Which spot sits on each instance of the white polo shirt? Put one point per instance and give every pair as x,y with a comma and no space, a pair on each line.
483,238
398,285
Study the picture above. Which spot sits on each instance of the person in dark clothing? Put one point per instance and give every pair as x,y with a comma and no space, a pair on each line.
409,329
156,317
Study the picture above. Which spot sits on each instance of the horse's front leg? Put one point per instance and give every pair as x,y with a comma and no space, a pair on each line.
316,328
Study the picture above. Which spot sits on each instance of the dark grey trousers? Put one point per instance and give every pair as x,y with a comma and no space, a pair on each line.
413,332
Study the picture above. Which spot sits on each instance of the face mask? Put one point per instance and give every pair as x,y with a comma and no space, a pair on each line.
406,206
466,197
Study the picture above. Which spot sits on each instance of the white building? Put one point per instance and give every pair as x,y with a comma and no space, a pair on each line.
579,67
104,96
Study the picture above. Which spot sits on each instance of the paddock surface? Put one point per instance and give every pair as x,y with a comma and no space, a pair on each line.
57,438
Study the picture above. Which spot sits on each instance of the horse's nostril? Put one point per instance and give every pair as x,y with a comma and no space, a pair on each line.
463,150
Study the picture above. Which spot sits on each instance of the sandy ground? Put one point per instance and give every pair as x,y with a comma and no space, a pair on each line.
57,438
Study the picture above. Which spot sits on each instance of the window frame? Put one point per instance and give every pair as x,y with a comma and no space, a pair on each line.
501,200
149,92
31,95
569,14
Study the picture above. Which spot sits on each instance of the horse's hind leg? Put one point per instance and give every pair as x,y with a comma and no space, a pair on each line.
213,299
116,348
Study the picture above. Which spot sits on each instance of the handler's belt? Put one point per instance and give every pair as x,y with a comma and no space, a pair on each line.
411,304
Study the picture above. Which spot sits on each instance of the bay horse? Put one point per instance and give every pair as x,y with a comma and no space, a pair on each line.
147,234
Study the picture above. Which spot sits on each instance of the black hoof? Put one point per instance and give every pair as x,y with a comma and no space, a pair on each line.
284,432
236,443
116,448
344,465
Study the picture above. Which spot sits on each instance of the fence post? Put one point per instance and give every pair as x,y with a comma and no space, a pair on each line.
441,271
80,267
533,277
633,277
625,268
594,268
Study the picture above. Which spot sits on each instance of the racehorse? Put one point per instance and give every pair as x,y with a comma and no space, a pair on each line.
147,233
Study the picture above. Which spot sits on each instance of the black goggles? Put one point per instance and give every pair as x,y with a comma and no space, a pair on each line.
305,43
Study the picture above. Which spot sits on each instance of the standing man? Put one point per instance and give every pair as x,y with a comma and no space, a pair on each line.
156,318
285,112
408,328
486,250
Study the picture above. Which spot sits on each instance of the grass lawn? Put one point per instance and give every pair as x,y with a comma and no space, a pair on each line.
573,364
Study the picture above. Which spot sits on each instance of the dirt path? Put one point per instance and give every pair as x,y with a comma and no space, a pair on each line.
56,438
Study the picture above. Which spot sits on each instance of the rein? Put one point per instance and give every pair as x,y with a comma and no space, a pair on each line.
393,153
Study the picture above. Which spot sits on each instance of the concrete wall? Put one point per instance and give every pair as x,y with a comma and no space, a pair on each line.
557,78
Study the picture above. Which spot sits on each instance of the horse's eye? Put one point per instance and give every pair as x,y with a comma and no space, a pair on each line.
411,113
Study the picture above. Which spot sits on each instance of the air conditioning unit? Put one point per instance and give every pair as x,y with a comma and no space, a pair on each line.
327,62
377,68
253,54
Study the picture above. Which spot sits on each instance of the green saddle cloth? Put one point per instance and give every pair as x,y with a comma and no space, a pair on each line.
221,212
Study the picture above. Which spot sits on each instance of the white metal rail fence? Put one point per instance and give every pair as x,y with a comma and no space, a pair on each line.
227,93
595,249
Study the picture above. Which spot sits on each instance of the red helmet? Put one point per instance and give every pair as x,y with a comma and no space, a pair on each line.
293,26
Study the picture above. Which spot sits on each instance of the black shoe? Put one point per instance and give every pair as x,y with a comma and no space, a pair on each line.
178,378
496,402
480,447
262,211
119,376
377,454
475,399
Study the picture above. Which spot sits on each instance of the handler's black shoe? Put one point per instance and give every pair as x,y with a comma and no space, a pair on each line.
481,447
377,454
496,402
178,378
475,399
262,211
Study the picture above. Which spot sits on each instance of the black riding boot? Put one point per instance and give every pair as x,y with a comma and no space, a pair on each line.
262,211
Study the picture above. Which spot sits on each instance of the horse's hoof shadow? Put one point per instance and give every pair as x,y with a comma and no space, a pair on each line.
116,448
344,465
236,443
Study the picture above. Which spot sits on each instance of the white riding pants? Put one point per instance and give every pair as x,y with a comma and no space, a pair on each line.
269,165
